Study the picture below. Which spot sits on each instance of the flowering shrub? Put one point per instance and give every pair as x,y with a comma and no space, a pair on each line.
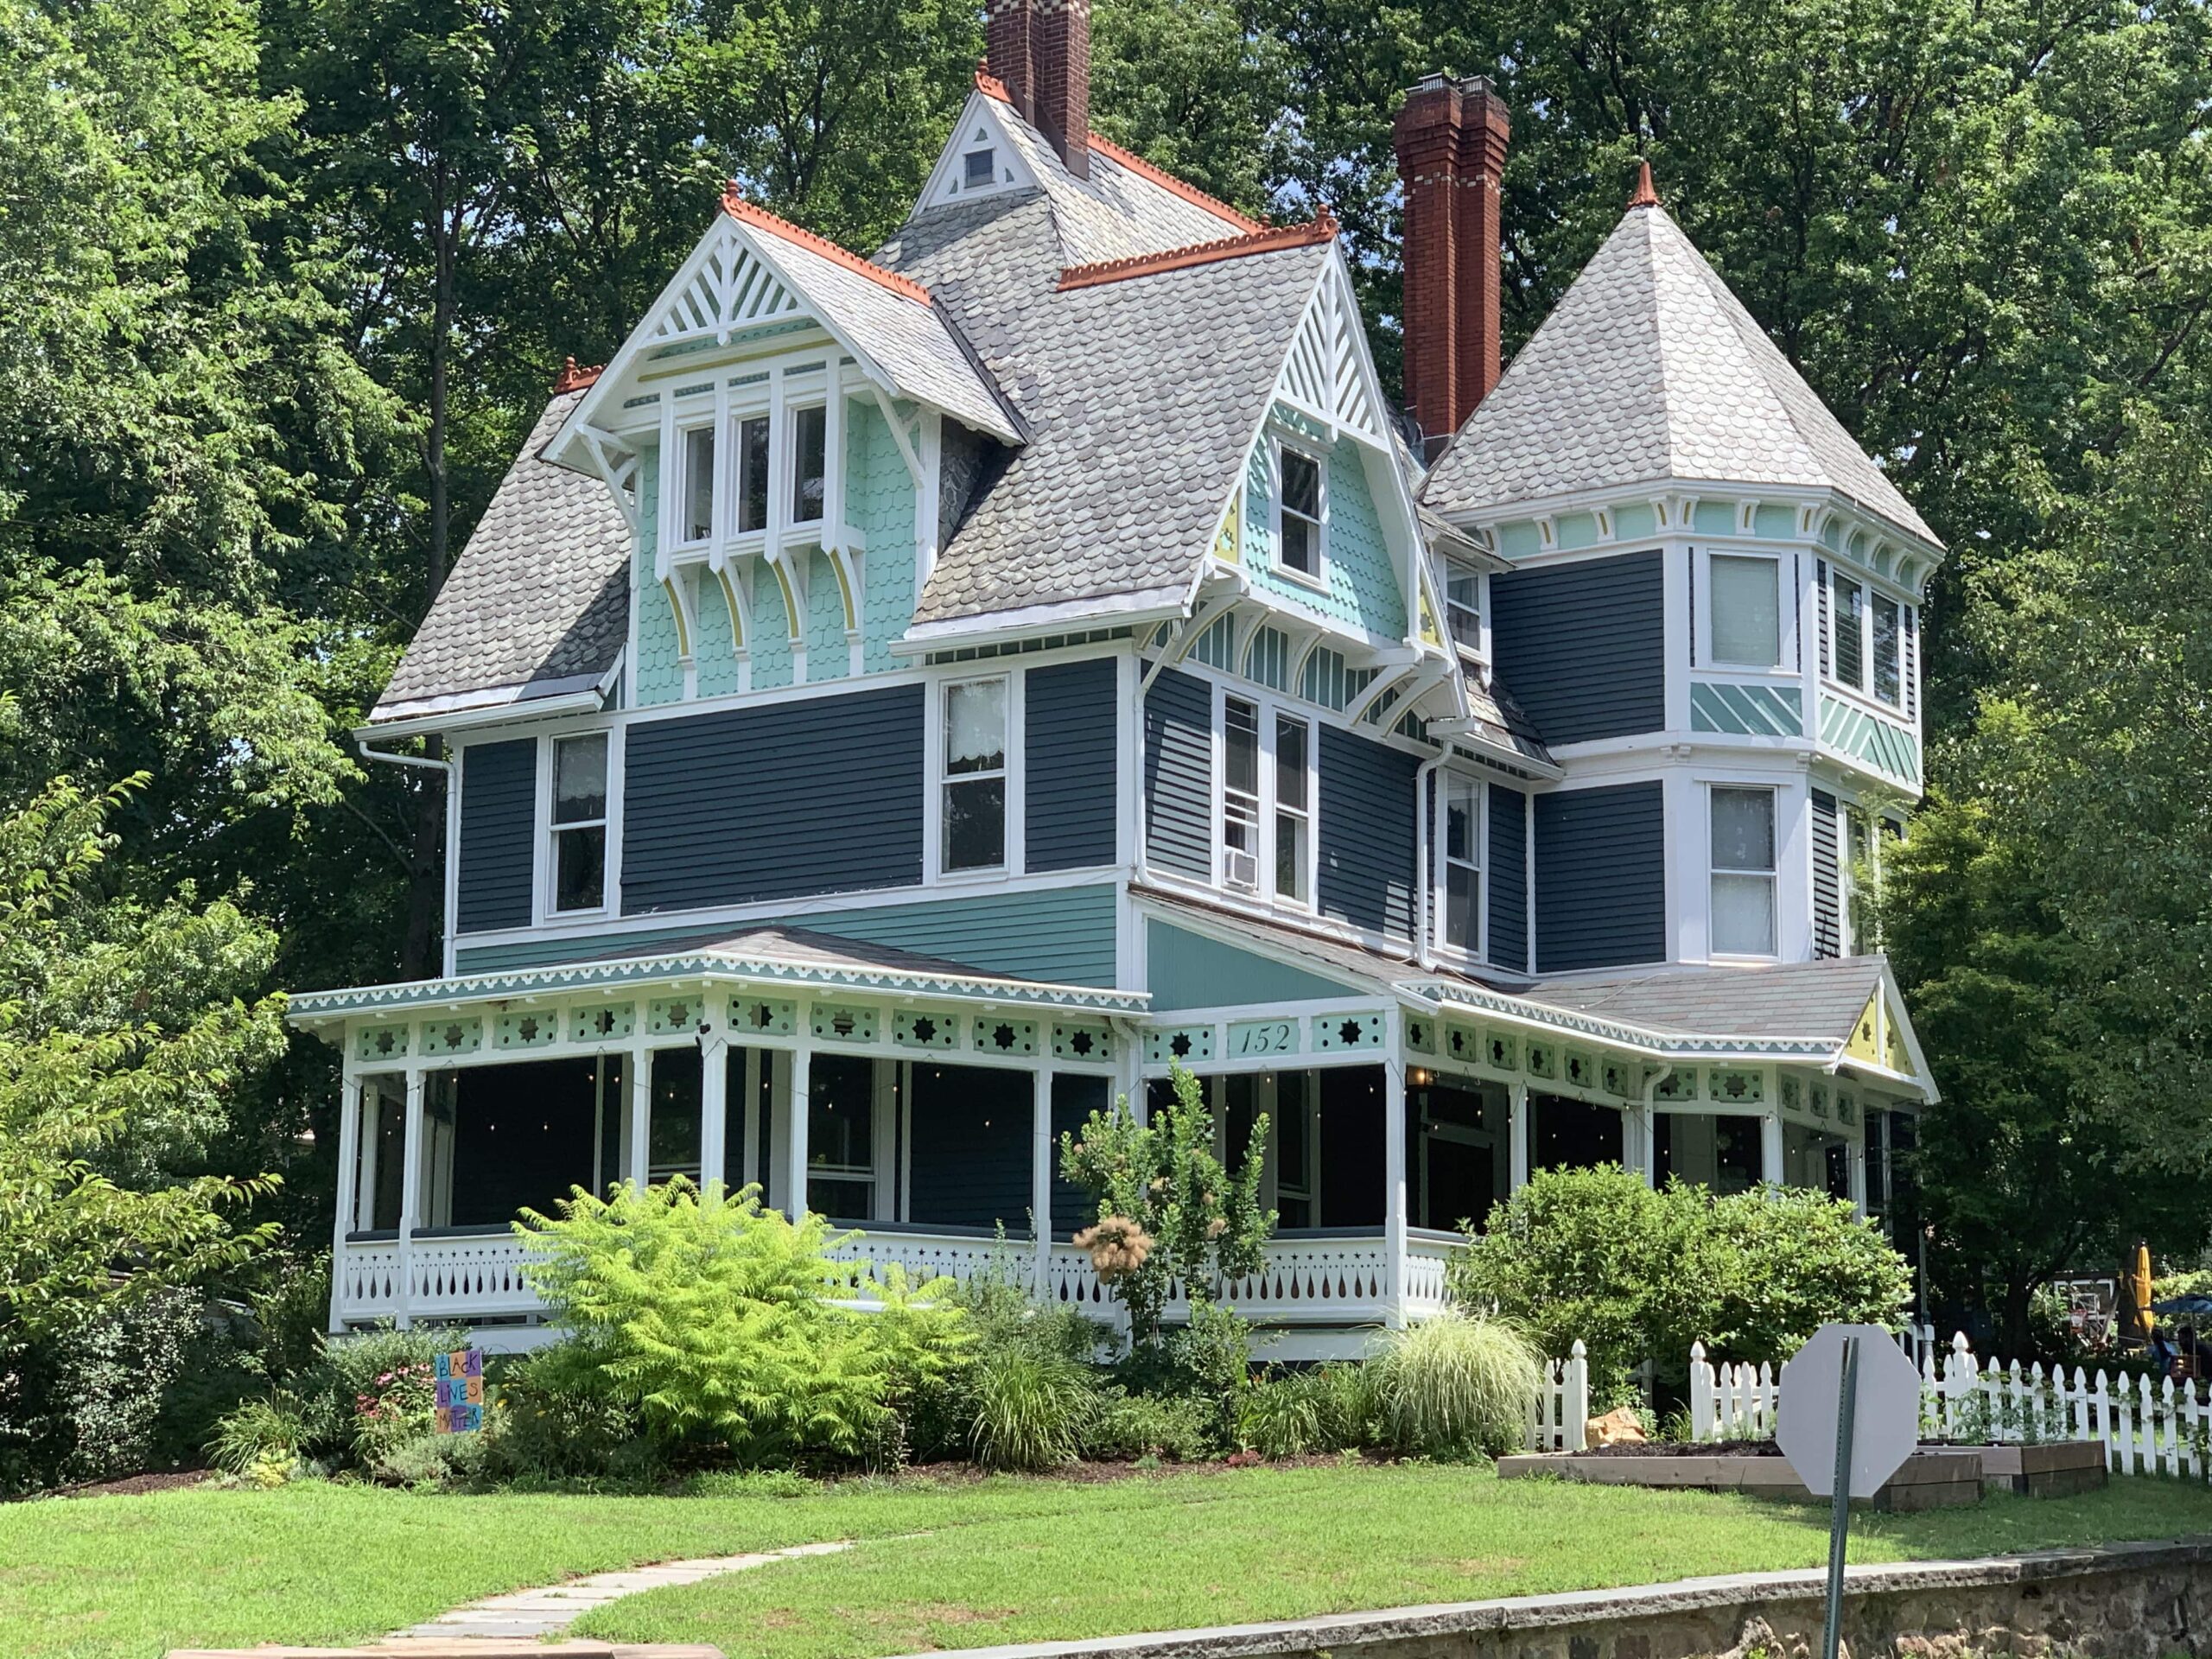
398,1404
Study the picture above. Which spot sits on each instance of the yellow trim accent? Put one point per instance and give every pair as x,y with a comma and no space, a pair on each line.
1865,1042
790,600
736,610
676,606
844,586
1229,537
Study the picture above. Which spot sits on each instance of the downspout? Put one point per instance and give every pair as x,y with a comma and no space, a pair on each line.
1651,1134
1422,952
416,760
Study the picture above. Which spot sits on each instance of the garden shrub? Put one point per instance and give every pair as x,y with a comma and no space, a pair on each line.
263,1439
444,1461
1174,1428
1028,1408
554,1422
371,1390
1281,1417
1455,1384
1344,1400
719,1321
1637,1275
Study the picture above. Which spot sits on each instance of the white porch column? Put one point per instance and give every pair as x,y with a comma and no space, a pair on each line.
714,1104
353,1104
1638,1143
1394,1165
1040,1177
411,1195
1517,1126
641,1106
795,1130
1855,1158
1771,1146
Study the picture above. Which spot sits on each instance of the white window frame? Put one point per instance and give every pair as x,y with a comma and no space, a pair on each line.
1874,596
1707,612
1441,872
700,417
546,871
934,873
969,153
1318,578
1268,709
1862,686
1479,645
1772,873
778,388
793,403
1863,690
1271,753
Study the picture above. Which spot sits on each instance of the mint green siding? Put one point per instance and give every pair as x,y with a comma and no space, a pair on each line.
1634,518
660,666
1189,971
1748,710
1062,936
1775,519
772,628
827,657
1363,580
715,649
1887,748
1577,530
1713,518
880,504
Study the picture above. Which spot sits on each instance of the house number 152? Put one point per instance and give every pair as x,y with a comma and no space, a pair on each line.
1266,1037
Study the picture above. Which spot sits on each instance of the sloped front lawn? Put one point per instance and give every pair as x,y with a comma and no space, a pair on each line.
959,1565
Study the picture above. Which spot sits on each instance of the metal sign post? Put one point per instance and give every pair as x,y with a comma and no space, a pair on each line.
1846,1403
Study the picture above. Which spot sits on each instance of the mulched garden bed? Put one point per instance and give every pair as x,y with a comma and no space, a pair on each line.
166,1480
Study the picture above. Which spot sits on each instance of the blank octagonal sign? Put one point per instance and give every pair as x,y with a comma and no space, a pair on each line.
1886,1424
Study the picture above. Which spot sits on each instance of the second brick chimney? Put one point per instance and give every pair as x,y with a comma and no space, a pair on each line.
1451,137
1041,49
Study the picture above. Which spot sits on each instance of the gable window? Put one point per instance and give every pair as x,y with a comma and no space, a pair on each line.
974,790
810,481
1889,662
752,472
978,169
1293,811
1463,604
1463,876
1746,604
1240,793
1297,540
1743,872
698,492
1850,650
580,821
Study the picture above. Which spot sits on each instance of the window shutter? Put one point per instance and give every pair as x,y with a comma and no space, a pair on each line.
1911,661
1828,878
1821,568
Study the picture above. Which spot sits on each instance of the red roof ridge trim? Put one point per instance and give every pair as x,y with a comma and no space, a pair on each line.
572,378
1168,180
989,85
735,204
1322,229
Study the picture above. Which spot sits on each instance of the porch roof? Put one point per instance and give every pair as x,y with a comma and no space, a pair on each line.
790,957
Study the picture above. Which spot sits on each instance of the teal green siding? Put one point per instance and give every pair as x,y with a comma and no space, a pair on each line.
1519,539
1363,580
880,504
1638,518
827,658
772,629
660,666
1714,518
1577,530
714,651
1749,711
1063,936
1188,971
1885,747
1776,520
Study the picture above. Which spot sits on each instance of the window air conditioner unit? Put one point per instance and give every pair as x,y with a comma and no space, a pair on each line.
1242,868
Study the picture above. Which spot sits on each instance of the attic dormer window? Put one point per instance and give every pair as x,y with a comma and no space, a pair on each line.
979,168
810,482
1463,604
1299,515
698,483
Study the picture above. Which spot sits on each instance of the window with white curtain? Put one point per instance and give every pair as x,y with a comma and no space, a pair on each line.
580,821
1463,876
1746,611
973,788
1743,907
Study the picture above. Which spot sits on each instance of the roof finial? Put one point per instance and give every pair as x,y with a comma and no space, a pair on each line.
1645,196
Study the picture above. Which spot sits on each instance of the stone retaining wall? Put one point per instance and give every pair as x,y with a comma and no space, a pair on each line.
2119,1601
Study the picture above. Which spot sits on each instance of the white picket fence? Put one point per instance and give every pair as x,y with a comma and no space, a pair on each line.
1560,1415
2146,1427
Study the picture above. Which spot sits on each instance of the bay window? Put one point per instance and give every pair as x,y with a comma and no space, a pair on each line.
1746,611
752,473
973,793
1743,872
579,822
810,467
1889,662
1463,883
1849,661
697,488
1240,793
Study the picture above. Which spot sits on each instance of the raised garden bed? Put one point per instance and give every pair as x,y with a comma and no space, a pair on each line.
1934,1478
2057,1470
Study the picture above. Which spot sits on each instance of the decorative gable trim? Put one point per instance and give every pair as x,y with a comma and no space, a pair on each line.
1322,229
1328,377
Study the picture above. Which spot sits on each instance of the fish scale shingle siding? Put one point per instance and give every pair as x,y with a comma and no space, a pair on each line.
1368,834
1583,646
1179,774
818,795
498,817
1601,878
1068,752
1507,868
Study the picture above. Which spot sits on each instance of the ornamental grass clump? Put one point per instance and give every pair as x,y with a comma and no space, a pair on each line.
1454,1385
1031,1409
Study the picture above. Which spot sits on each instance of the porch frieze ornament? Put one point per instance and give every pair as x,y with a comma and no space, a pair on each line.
765,1019
453,1034
1074,1041
383,1041
526,1028
995,1035
1421,1035
704,967
925,1028
1747,1087
1463,1043
1251,1038
1333,1032
1541,1058
1184,1044
601,1022
675,1015
843,1023
1455,994
1501,1053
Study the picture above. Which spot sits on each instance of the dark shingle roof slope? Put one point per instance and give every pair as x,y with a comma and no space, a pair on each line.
1649,369
1800,999
538,602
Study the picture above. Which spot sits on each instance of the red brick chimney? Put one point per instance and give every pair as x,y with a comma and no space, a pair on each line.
1451,137
1009,52
1060,41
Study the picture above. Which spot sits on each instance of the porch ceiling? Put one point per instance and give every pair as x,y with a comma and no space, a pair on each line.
792,958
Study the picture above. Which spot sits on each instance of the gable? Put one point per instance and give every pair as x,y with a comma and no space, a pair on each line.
726,290
958,177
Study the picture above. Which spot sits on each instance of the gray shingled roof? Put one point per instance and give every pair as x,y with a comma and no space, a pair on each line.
909,340
1649,370
1802,998
538,602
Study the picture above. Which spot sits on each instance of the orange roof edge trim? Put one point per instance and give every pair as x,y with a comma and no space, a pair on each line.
1322,229
1168,180
735,204
572,378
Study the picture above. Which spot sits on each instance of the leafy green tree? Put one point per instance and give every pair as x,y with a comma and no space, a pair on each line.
1192,87
1169,1210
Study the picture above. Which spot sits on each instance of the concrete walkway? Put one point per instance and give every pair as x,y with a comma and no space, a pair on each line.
528,1615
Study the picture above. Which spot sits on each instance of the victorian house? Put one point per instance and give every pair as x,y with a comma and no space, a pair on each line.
898,705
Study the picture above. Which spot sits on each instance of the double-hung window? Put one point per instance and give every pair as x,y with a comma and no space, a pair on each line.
1293,808
1746,611
1463,604
580,821
1298,541
974,790
1240,793
1848,624
1463,876
1889,659
810,463
696,494
752,473
1743,908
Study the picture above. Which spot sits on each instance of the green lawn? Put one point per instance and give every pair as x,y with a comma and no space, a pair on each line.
963,1565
